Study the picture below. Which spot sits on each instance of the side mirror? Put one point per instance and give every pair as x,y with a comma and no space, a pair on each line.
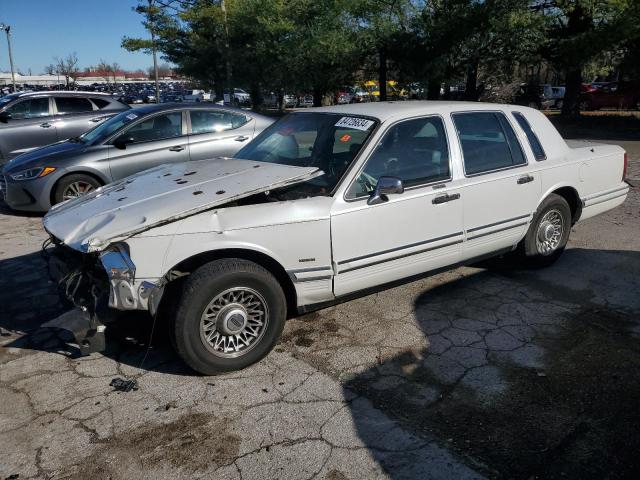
122,142
385,186
5,117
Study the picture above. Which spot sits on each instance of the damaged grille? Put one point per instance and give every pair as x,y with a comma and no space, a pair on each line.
79,276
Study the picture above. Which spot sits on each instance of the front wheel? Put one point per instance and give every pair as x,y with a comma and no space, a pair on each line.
231,314
73,186
548,234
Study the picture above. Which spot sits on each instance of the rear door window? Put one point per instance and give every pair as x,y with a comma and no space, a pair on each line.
160,127
67,105
31,108
211,121
536,146
488,142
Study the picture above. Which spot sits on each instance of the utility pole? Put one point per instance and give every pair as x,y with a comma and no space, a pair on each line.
7,29
232,92
151,12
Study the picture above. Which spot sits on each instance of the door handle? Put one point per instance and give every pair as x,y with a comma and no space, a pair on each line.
241,138
176,148
445,198
45,125
525,179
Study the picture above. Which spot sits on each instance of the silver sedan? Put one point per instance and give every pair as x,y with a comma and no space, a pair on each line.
130,142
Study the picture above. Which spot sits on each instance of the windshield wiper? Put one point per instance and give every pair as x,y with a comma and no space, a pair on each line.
77,139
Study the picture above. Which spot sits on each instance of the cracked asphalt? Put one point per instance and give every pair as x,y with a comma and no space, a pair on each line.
481,372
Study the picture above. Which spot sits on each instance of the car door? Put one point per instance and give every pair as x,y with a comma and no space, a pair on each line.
151,141
500,191
74,116
218,133
30,126
406,234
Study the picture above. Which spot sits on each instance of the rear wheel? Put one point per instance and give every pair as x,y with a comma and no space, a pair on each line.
548,234
73,186
231,314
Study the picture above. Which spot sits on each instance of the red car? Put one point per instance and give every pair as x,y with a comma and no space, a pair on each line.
620,95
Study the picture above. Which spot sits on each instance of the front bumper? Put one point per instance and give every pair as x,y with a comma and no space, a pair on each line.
26,195
106,279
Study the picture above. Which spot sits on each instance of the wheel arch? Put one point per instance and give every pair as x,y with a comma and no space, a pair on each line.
90,173
571,195
192,263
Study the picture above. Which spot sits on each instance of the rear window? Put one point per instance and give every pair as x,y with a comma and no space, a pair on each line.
488,142
211,121
68,105
536,146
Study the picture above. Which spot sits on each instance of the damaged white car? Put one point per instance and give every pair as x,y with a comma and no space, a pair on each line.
322,205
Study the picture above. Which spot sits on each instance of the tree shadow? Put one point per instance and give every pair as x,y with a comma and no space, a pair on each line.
527,374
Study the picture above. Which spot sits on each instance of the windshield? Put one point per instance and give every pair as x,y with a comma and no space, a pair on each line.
108,128
327,141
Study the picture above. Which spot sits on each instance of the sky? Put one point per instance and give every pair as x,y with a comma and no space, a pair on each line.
43,29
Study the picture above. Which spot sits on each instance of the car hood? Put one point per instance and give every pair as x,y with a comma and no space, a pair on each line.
44,156
163,195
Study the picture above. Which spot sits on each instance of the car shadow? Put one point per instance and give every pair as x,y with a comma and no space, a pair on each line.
30,299
525,374
5,210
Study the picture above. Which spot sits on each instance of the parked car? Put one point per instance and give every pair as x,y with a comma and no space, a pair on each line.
322,205
620,95
127,143
30,120
305,101
290,100
240,97
557,95
534,96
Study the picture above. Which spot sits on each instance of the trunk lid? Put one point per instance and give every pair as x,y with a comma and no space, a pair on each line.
162,195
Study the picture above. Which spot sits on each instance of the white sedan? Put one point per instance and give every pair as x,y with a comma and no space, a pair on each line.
323,204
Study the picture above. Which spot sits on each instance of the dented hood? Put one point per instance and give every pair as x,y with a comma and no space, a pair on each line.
162,195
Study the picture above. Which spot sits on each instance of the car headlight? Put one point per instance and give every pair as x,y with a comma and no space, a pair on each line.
32,173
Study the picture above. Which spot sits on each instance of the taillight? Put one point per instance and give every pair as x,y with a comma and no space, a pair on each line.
626,165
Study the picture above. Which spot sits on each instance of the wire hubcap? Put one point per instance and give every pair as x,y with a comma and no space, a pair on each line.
77,189
233,322
550,232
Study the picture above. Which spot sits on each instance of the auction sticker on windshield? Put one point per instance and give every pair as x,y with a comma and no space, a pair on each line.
132,116
353,122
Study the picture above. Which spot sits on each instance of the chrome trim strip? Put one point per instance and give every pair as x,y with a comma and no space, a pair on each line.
398,257
313,279
499,223
604,200
310,269
404,247
497,231
602,194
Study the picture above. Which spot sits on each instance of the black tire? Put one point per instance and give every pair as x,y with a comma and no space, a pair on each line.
210,282
75,178
531,249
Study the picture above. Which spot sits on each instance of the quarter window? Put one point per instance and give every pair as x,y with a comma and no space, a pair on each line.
415,151
159,127
488,142
66,105
100,102
536,146
32,108
209,121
